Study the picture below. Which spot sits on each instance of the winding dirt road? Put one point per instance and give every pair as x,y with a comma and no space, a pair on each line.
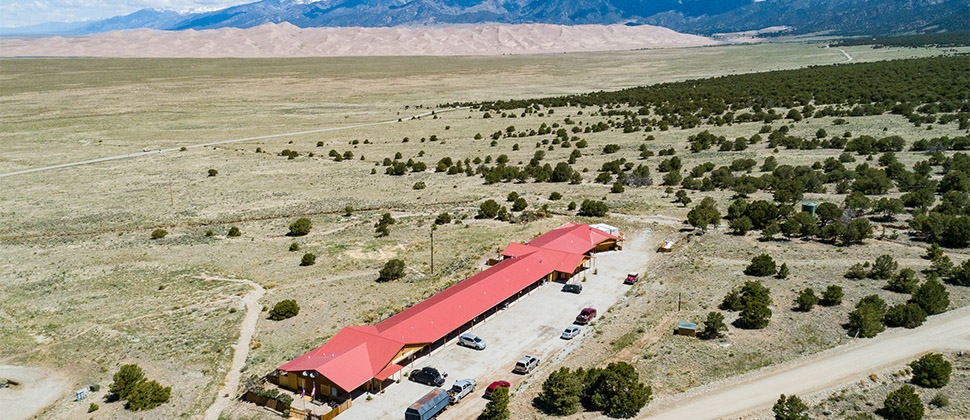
241,349
742,395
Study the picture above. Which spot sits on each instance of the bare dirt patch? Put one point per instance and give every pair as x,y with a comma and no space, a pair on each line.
35,390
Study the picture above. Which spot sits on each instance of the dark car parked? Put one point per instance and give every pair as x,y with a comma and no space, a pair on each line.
428,376
572,288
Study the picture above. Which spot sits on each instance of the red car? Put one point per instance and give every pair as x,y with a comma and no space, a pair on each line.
496,384
631,278
586,315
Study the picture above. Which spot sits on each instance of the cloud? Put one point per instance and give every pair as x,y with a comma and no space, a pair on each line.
24,13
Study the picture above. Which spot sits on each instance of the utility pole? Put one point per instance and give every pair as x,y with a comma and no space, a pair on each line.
678,301
171,193
433,227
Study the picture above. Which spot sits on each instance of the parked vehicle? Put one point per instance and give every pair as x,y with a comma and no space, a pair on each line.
429,406
666,246
428,376
460,389
526,364
586,315
570,332
632,278
473,341
493,385
572,288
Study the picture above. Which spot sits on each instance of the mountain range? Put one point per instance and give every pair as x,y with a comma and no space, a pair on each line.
704,17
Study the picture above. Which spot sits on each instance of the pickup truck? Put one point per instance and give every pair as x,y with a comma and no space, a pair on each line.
460,389
428,376
586,315
631,278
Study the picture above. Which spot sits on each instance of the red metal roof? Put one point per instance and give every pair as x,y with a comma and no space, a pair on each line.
571,237
388,371
563,262
356,354
350,358
442,313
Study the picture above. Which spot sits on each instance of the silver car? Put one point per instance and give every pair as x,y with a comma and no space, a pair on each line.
473,341
460,389
570,332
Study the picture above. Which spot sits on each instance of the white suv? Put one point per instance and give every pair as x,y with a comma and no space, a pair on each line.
473,341
526,364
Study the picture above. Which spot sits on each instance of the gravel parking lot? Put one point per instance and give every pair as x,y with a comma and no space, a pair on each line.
532,325
37,389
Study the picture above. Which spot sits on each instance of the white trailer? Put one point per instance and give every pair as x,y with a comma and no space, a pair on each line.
612,230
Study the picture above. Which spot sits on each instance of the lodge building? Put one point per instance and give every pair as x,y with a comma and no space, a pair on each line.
361,359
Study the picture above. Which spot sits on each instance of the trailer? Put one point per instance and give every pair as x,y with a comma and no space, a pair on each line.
603,227
429,406
666,246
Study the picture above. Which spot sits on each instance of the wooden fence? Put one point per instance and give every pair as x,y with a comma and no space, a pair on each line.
295,412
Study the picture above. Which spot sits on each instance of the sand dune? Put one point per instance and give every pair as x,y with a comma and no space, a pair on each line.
286,40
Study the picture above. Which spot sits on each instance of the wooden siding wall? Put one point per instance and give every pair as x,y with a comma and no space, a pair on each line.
296,382
607,245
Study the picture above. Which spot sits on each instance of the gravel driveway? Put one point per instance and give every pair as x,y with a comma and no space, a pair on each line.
531,325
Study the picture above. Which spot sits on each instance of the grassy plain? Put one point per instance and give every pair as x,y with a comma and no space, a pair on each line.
87,303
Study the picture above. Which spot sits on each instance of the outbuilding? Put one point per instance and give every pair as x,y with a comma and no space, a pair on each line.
687,328
809,207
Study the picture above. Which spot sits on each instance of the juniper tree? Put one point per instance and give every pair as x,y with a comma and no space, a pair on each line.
713,325
806,300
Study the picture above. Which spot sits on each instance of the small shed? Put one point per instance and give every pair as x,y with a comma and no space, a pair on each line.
809,207
687,328
612,230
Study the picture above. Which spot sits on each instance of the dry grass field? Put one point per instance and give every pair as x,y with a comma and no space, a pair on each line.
85,289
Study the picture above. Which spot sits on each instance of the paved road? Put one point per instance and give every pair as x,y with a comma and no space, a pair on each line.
213,143
735,397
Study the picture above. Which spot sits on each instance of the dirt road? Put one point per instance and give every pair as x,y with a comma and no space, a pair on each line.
738,396
214,143
848,57
241,349
38,389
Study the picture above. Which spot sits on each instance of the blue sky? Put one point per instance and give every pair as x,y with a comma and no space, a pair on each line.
31,12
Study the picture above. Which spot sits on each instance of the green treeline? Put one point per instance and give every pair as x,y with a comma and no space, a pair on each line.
943,39
899,86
